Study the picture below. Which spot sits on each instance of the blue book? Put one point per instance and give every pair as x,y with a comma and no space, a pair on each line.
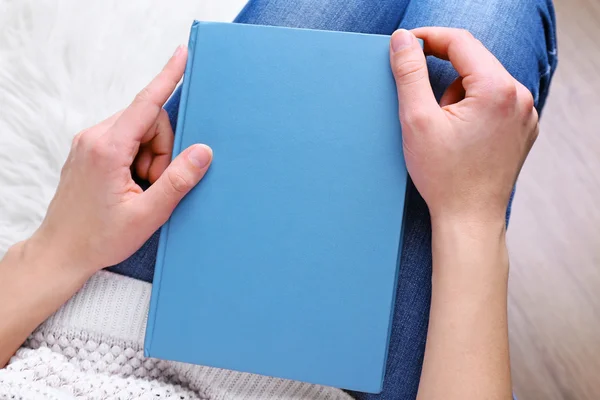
283,261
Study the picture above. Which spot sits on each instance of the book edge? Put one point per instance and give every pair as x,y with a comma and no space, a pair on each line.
396,278
258,26
164,231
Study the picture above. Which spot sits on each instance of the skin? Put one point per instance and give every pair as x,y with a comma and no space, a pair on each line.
98,206
463,155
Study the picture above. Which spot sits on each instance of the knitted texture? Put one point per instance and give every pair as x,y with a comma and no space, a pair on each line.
92,348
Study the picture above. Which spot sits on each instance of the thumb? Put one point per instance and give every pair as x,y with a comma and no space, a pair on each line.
184,172
415,97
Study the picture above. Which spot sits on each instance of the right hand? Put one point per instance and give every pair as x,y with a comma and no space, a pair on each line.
463,155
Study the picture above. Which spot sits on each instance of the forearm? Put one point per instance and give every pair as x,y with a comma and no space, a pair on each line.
33,284
467,355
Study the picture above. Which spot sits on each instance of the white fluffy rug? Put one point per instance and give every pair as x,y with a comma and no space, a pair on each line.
65,65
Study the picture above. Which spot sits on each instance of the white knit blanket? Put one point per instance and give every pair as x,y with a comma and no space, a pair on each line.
92,348
65,65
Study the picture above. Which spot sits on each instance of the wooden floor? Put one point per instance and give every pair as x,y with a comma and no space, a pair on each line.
554,237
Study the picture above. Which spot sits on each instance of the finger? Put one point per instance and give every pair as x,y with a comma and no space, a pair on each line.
415,95
468,55
142,162
141,115
160,143
186,170
525,102
454,93
155,153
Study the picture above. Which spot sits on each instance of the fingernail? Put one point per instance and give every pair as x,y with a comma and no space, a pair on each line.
178,50
200,155
401,39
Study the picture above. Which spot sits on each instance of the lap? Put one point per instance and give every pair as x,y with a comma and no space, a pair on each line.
365,16
520,33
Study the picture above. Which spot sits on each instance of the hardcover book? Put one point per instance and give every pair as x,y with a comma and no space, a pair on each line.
283,261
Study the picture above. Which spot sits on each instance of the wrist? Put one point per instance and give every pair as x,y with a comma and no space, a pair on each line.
33,285
46,256
473,226
467,242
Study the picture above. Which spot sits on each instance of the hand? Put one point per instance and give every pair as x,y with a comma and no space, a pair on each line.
463,155
99,216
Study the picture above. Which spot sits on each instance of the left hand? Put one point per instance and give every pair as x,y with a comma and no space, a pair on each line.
99,216
463,155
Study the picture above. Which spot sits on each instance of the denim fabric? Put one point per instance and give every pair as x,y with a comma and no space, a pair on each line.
521,33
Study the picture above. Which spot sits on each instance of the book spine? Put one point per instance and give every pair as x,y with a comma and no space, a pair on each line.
164,232
409,186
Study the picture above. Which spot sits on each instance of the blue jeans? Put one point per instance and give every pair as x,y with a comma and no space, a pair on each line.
521,33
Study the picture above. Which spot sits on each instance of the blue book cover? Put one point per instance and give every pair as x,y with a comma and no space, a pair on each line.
283,261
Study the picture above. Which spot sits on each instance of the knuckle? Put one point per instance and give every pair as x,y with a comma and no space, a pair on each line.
76,140
527,102
506,91
409,71
82,139
177,181
417,119
536,116
465,34
100,150
143,96
97,150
